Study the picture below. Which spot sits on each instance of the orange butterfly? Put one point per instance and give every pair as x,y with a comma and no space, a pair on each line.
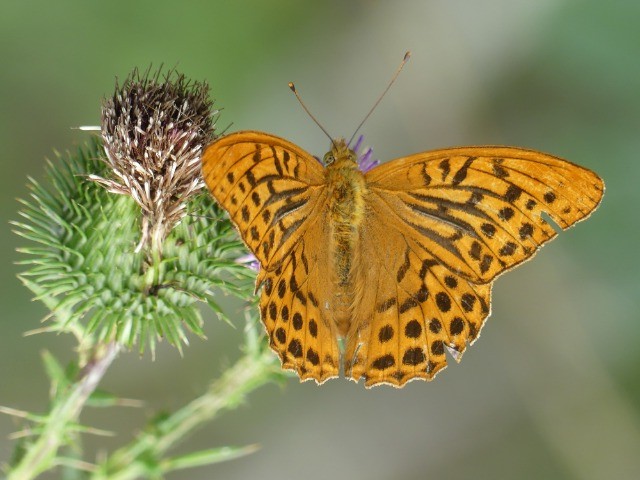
398,261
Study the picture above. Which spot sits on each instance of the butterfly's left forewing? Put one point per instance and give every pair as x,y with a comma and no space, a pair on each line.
268,185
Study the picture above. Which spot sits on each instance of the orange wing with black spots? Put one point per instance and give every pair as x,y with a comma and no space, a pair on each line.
295,306
478,209
414,309
268,186
275,195
439,227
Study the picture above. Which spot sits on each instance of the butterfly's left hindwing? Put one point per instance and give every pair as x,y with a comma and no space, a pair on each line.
293,306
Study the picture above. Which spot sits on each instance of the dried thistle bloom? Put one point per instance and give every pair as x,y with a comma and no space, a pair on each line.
154,129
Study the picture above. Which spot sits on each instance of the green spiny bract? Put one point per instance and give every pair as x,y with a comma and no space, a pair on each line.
85,267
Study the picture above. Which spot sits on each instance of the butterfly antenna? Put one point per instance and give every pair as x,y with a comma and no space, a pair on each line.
295,92
404,61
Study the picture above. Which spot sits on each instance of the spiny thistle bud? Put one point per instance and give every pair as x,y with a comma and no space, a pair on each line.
154,130
83,265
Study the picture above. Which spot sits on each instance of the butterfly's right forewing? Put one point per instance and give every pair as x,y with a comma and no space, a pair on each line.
480,210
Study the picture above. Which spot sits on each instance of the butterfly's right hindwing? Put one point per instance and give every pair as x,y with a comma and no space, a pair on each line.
413,309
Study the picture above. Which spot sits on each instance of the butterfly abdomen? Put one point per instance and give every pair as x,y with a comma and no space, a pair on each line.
347,190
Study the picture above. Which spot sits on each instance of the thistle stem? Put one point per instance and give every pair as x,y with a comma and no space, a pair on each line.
41,454
249,373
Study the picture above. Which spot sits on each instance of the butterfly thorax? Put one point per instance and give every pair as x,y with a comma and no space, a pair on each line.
347,189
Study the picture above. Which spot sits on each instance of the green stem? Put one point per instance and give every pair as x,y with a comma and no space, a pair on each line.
130,461
40,455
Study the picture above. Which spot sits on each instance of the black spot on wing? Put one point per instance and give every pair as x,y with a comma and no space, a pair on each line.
513,193
461,174
383,362
402,270
386,305
445,168
385,333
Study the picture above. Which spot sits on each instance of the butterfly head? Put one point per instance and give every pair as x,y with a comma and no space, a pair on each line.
340,155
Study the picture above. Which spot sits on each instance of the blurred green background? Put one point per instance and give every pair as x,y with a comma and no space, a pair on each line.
551,390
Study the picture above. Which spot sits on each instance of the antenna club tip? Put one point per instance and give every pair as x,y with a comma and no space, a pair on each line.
292,87
407,55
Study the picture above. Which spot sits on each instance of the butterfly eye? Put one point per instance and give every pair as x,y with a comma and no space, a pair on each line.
328,158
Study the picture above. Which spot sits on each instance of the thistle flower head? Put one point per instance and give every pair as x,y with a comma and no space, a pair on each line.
83,268
154,128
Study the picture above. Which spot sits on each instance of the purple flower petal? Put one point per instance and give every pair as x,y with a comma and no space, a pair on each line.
365,158
249,260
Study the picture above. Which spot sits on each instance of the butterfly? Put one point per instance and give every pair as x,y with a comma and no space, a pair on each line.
396,263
